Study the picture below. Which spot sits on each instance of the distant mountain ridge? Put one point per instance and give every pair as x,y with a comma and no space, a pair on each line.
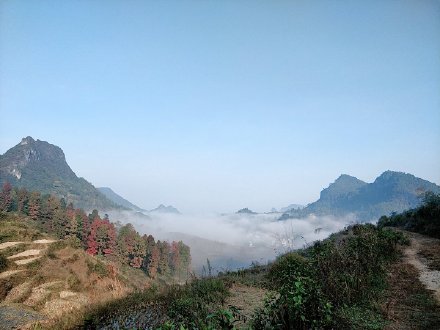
245,211
291,207
117,199
390,192
165,209
41,166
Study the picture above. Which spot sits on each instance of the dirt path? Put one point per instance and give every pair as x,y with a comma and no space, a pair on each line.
9,244
413,255
10,273
27,253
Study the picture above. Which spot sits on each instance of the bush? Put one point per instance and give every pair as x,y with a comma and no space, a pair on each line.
423,219
299,302
313,290
4,263
190,305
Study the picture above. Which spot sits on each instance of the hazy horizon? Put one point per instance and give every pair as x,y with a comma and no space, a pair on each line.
215,106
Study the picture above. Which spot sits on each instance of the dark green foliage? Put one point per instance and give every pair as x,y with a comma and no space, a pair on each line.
300,302
3,263
360,317
424,219
314,289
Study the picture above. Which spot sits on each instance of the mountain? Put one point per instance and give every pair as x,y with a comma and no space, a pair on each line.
245,211
165,209
39,165
291,207
117,199
390,192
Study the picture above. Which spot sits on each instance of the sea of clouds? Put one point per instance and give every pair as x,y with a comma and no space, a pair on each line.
234,241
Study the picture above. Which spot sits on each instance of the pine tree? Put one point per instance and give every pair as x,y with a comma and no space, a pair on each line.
22,200
164,261
185,258
175,263
34,205
72,222
5,197
153,263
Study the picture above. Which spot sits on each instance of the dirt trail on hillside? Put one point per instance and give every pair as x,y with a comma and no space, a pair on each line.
429,277
9,244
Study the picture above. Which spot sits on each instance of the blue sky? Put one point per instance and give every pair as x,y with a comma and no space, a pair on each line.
218,105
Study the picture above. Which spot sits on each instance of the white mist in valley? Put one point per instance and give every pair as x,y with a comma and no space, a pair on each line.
234,241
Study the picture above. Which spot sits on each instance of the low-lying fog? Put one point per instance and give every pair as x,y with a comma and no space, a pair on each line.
235,240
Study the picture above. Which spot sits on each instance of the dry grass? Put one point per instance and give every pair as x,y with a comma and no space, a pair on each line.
247,299
431,252
407,304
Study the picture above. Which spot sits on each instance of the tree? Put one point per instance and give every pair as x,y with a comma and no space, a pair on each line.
153,263
72,222
131,247
83,227
102,237
164,260
22,201
34,205
5,197
185,257
175,262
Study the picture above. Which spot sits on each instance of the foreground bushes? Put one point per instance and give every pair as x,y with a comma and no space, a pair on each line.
314,289
424,219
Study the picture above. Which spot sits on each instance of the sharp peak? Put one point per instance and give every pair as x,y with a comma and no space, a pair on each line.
345,177
26,140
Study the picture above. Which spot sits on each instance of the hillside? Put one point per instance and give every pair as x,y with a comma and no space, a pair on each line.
363,277
390,192
56,259
40,166
119,200
44,279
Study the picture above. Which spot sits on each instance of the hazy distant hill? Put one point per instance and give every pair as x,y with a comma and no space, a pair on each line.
390,192
245,211
117,199
39,165
291,207
165,209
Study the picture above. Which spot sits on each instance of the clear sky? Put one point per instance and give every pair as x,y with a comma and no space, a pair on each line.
218,105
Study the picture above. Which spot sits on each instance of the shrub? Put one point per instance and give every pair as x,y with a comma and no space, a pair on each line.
299,302
4,263
313,290
74,282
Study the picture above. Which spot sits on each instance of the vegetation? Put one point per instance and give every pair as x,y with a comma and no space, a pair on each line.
424,219
98,236
340,282
335,282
